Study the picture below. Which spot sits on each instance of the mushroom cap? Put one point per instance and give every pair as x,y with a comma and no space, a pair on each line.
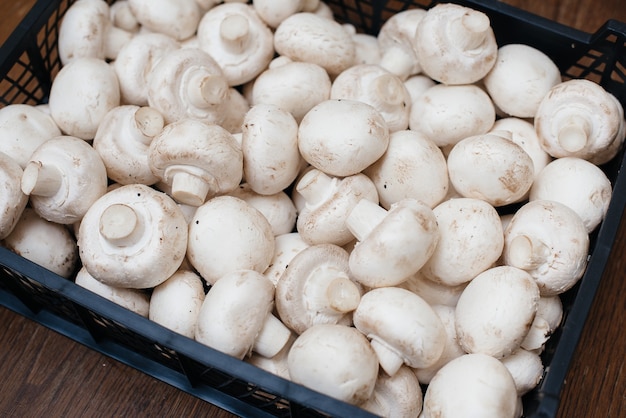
228,234
435,293
578,184
285,249
520,78
491,168
448,113
207,152
526,368
455,44
396,246
271,158
135,300
234,311
342,137
550,241
335,360
329,201
133,236
473,385
402,327
82,93
48,244
275,11
470,241
82,179
399,395
316,288
308,37
411,167
12,199
176,302
277,208
28,127
547,320
239,40
578,118
176,18
495,311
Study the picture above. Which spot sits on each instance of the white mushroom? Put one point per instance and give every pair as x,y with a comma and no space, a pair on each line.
416,85
520,78
335,360
550,241
136,300
495,311
48,244
470,241
473,385
236,106
317,288
376,86
176,302
82,93
547,320
328,203
12,199
392,245
228,234
275,11
455,44
447,114
578,184
308,37
269,142
526,368
122,17
402,328
578,118
133,236
24,128
435,293
286,247
278,364
366,49
236,37
176,18
399,395
277,208
123,140
411,167
342,137
198,160
64,177
490,167
236,316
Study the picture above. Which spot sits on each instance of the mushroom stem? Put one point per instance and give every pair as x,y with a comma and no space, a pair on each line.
526,252
387,92
235,32
190,185
150,122
365,216
331,291
41,180
273,336
574,134
469,32
120,225
315,186
388,358
205,89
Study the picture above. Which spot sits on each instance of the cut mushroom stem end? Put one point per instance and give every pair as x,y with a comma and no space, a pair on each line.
205,90
332,291
471,31
365,216
234,31
574,135
120,225
149,121
188,187
389,92
41,180
526,252
273,336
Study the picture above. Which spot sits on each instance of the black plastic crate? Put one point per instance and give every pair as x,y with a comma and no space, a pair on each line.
28,63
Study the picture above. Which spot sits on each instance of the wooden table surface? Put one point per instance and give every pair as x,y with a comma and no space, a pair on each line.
46,374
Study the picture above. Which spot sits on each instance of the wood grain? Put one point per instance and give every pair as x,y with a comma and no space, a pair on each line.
46,374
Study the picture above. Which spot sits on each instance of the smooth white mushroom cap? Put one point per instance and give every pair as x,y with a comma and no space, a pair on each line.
435,293
285,249
470,241
399,395
135,300
176,18
176,302
526,368
12,199
520,78
133,236
550,241
411,167
402,328
48,244
473,385
228,234
578,184
28,127
496,310
366,49
490,167
342,137
418,84
335,360
446,114
277,208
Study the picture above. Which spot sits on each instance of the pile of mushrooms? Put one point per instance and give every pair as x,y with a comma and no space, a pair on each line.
402,216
